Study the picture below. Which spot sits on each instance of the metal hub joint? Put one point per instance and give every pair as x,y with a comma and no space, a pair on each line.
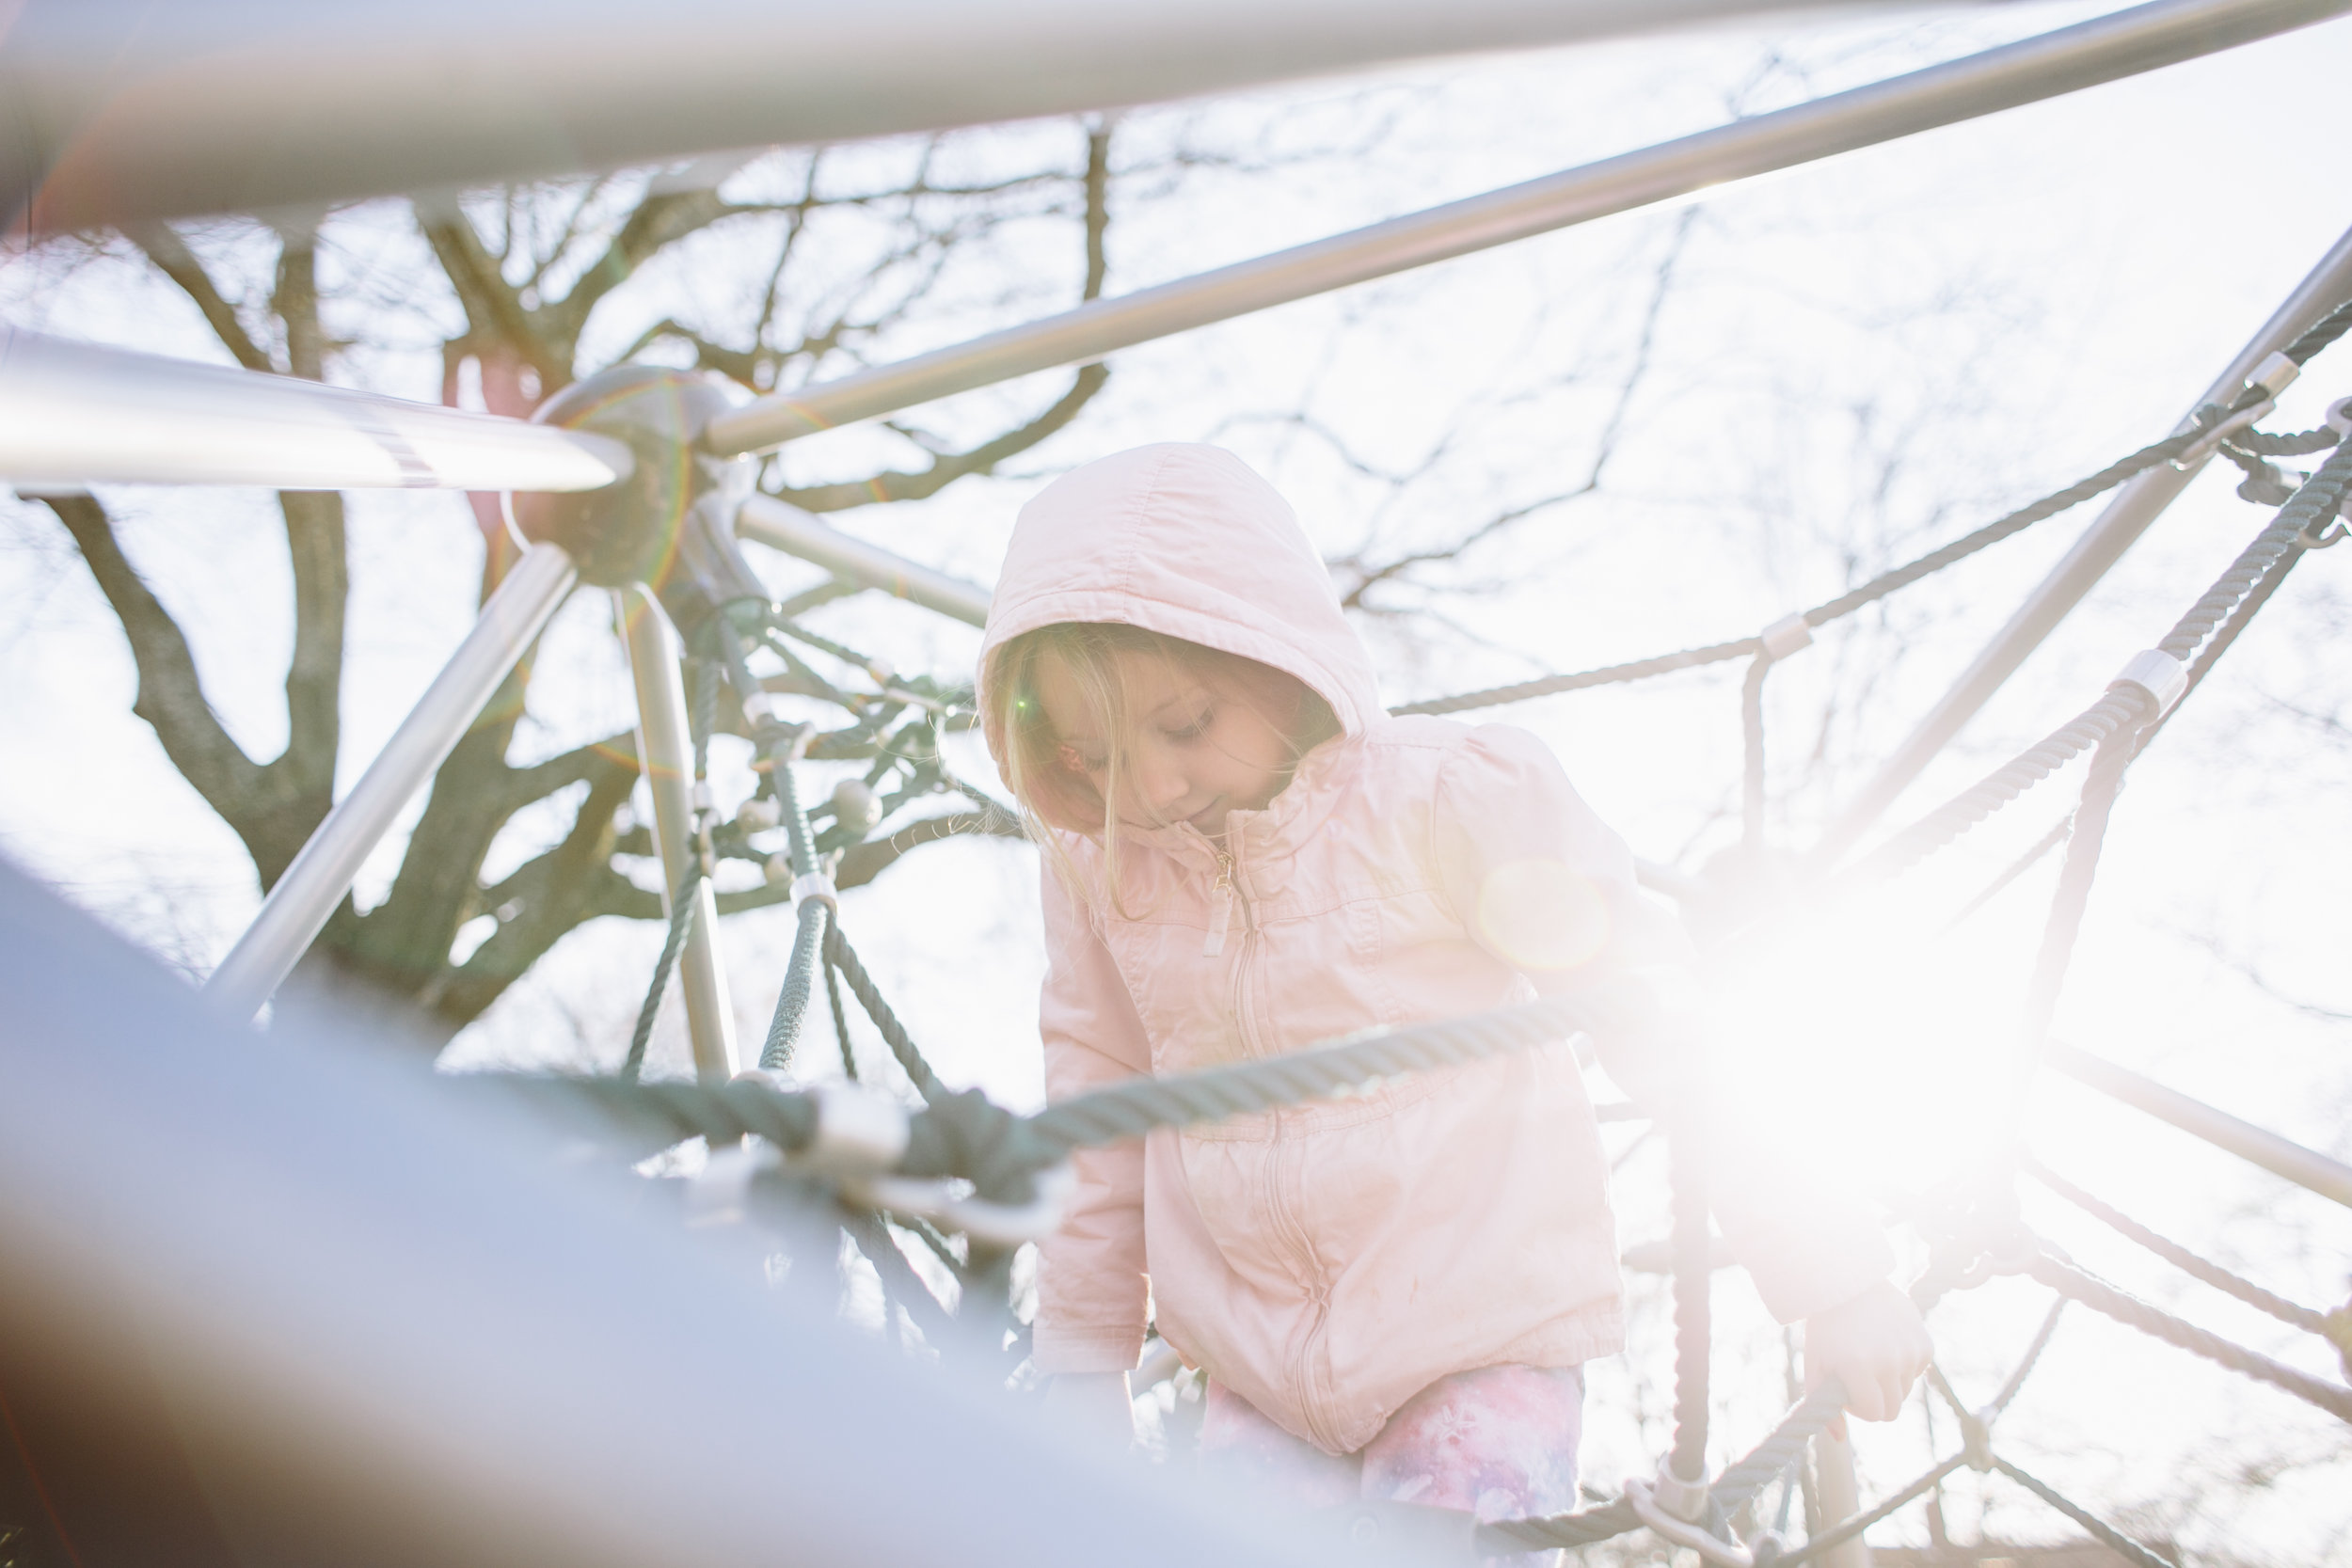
671,524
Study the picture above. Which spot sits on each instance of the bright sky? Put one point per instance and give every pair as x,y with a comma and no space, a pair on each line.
1854,362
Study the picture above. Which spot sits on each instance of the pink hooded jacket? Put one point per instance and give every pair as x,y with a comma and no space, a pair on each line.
1328,1260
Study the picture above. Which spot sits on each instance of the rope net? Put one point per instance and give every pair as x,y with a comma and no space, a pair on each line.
984,1163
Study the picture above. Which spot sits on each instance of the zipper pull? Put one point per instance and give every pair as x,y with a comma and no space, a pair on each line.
1221,909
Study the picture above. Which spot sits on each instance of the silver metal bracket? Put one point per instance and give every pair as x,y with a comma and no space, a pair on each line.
2223,431
1785,635
2156,672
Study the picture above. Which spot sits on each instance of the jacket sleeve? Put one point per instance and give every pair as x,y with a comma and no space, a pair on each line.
1545,885
1092,1288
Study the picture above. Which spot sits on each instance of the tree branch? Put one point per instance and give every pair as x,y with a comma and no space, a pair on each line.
316,546
658,220
171,696
543,779
543,899
171,256
494,309
897,486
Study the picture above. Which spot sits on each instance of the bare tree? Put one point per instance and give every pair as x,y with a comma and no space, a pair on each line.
530,270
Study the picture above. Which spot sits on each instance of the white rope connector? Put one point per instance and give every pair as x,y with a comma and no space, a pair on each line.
1785,635
758,813
2339,418
1684,1499
2157,673
760,708
777,869
859,1132
2275,375
722,1189
999,1224
818,886
704,799
2223,431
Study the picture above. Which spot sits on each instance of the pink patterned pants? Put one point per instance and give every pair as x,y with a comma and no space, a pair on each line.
1499,1442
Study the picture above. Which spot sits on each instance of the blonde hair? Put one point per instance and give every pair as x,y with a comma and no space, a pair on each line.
1054,796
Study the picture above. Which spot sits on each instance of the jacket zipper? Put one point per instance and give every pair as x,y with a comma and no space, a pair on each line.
1227,892
1220,907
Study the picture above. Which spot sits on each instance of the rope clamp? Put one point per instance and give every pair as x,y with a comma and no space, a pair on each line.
859,1132
2156,672
1679,1532
2211,440
1685,1501
721,1192
2275,375
2339,418
817,885
1785,635
999,1224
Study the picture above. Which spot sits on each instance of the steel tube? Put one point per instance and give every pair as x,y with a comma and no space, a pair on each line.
359,1314
2306,1168
76,414
2103,50
123,109
665,748
2136,506
291,917
784,527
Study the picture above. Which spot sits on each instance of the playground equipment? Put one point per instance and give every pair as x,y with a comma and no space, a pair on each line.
637,481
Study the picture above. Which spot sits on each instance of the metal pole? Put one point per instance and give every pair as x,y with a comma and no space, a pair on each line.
787,527
666,747
1841,1499
2306,1168
297,909
81,414
2136,506
383,1318
2103,50
124,109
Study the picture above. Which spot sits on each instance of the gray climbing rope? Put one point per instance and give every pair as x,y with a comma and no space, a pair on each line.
2180,1256
2102,1297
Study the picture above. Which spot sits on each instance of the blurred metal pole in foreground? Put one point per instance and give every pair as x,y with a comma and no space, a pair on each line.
125,109
298,907
2136,506
665,750
83,414
1841,1499
784,527
2089,52
374,1317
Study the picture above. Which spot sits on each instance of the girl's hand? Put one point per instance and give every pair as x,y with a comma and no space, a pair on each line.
1875,1345
1096,1406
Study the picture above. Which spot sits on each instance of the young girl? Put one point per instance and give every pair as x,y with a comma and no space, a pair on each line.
1391,1294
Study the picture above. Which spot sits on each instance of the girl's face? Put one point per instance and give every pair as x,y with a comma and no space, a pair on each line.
1200,742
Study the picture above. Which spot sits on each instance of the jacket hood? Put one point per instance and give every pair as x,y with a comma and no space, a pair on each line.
1186,541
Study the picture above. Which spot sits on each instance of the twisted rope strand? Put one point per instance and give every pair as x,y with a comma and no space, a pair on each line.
1847,1530
682,907
2180,1256
2107,1534
842,957
2100,1296
1844,604
1136,1106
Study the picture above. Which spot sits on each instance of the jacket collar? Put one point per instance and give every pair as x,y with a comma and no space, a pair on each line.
1264,843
